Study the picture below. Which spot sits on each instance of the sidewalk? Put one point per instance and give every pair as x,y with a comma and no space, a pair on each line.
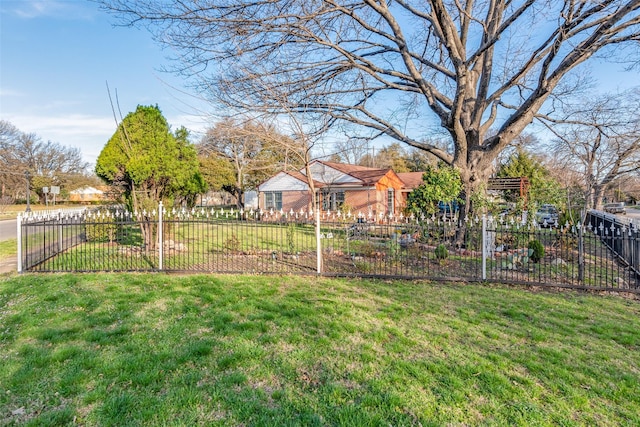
9,264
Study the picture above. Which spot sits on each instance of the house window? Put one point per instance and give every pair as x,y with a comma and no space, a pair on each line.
391,197
332,200
273,200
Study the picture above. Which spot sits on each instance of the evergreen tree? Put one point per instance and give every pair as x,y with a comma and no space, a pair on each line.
149,164
542,187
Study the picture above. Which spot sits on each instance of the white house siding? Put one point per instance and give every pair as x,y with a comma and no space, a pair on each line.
251,199
283,182
323,173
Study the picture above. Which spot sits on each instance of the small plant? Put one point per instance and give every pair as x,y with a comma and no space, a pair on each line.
363,266
441,252
536,251
367,249
232,244
291,243
394,248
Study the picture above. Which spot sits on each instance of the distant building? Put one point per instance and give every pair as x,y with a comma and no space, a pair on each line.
86,194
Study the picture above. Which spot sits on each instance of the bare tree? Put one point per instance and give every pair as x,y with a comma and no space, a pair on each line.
49,163
631,187
392,66
351,150
253,151
11,168
599,139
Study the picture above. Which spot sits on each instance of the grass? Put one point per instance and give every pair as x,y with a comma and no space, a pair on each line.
248,236
8,248
117,349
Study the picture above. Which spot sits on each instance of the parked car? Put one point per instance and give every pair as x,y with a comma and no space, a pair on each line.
448,209
547,215
615,208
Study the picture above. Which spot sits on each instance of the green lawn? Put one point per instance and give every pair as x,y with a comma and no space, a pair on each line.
117,349
8,248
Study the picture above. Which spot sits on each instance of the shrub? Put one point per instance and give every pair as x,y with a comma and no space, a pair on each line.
536,251
103,231
441,252
365,248
232,244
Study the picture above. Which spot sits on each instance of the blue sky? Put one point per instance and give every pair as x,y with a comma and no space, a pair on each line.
56,55
55,58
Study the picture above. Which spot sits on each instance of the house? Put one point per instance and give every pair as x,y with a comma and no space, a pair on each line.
86,194
338,185
412,180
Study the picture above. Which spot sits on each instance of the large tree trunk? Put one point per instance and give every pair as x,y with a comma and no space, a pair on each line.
598,193
475,170
149,229
238,193
475,167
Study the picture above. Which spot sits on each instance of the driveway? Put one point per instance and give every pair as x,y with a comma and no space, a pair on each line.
9,265
8,232
7,229
634,214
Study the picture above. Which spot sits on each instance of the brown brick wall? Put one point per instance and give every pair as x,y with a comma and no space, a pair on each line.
361,200
295,200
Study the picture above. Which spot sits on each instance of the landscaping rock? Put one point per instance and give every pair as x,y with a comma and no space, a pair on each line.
621,283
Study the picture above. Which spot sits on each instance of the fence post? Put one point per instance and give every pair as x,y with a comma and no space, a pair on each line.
580,253
160,238
19,241
484,247
60,248
318,244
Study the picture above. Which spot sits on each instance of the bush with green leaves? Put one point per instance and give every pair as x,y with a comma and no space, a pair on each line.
441,252
440,183
536,250
232,244
103,231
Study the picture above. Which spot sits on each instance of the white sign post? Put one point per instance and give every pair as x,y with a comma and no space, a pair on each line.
55,190
45,190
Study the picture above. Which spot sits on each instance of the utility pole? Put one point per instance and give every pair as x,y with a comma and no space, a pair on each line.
28,176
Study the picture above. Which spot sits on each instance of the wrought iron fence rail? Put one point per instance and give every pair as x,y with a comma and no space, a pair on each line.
620,236
277,243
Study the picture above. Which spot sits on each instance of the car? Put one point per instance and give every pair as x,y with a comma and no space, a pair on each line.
615,208
547,215
448,209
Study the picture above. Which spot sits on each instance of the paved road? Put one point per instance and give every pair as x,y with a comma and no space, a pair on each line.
635,214
7,229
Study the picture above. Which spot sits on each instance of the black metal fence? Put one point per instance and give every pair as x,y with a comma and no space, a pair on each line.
620,236
332,244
